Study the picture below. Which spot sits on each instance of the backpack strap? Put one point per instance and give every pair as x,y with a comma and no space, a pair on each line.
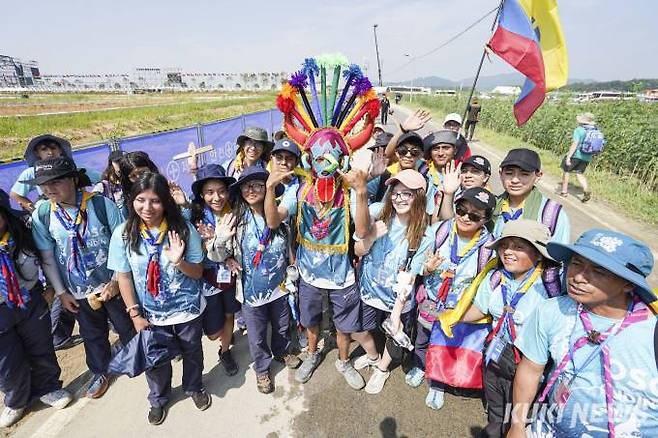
655,342
424,168
550,215
484,254
98,201
495,279
43,212
230,169
551,280
442,234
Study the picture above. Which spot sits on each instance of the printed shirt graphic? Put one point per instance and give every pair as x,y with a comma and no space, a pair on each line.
550,330
97,241
579,135
379,268
562,228
207,288
491,302
465,273
180,299
261,285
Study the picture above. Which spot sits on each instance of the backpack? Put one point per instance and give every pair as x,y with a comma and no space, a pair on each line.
98,201
593,142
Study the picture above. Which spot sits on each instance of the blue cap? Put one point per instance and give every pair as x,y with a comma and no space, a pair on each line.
286,144
208,172
251,173
620,254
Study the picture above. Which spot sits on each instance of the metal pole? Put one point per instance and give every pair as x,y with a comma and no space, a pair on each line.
379,65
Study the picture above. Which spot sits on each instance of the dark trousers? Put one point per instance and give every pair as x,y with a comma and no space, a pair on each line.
420,351
276,314
94,329
28,365
469,130
384,116
188,336
498,382
62,323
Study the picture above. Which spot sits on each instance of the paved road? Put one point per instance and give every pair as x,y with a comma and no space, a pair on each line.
324,407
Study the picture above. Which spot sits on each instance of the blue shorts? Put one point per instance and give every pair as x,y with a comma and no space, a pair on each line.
346,305
217,306
372,318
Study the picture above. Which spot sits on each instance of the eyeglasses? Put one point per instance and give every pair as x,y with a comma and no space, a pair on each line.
461,211
413,152
255,187
402,196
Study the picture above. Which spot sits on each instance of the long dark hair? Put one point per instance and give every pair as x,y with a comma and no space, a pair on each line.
198,205
159,185
22,238
110,174
130,162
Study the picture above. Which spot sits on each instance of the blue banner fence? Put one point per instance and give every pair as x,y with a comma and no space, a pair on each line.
163,146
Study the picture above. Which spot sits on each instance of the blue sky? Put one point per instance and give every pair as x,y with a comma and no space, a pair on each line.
606,39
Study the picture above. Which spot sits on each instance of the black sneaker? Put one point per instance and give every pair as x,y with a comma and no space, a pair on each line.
156,415
69,343
227,361
202,400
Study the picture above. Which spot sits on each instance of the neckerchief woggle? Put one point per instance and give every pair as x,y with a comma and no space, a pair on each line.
506,320
505,211
637,312
154,246
12,293
456,258
75,261
263,239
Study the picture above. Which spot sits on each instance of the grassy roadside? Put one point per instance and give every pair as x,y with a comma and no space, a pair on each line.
624,194
91,126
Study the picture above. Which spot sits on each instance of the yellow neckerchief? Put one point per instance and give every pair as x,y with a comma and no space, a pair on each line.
505,208
474,240
86,196
432,170
162,232
4,241
528,283
394,168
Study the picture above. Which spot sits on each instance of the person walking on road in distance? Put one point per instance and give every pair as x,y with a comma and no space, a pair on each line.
453,122
28,365
472,117
158,257
576,160
385,106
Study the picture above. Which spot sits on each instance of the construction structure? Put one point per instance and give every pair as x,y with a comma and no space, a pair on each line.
18,74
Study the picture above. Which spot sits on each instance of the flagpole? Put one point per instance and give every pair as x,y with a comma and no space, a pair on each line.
484,53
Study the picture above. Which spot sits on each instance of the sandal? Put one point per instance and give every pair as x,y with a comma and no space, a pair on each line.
586,197
564,194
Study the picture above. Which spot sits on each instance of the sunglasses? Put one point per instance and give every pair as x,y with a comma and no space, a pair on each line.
473,217
413,152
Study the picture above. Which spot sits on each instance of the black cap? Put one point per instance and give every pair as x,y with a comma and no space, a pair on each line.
411,137
526,159
442,136
479,197
51,169
382,140
286,144
479,162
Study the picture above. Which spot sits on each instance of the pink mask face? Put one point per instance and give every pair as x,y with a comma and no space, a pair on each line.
324,145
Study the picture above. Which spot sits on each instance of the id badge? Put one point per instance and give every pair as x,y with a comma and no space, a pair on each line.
563,392
223,274
495,349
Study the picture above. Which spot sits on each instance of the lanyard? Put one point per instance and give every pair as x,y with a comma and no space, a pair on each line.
263,239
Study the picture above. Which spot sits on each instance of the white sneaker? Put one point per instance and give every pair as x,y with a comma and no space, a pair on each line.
58,399
10,416
364,361
376,381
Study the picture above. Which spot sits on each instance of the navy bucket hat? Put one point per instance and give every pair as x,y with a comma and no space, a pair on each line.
253,173
207,173
31,156
618,253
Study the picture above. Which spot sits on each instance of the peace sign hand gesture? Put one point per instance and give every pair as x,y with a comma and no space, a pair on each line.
433,261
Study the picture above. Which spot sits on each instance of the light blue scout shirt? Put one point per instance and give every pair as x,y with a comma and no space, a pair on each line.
262,284
25,189
379,268
180,299
464,275
97,240
562,228
554,326
579,135
490,302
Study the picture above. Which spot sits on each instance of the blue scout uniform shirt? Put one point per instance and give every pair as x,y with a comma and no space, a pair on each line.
490,302
552,328
562,228
262,284
379,268
25,189
97,240
180,299
464,275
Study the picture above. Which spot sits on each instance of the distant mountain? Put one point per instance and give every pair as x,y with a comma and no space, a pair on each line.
634,85
485,83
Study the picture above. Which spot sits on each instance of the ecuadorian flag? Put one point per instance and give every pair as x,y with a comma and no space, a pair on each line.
529,38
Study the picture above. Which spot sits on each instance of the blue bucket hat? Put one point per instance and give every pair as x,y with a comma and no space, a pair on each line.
30,154
285,144
252,173
208,172
618,253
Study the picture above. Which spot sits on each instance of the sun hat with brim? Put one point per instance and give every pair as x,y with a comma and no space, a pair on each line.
618,253
535,233
381,141
586,119
411,179
443,136
31,156
5,203
257,134
54,168
209,172
253,173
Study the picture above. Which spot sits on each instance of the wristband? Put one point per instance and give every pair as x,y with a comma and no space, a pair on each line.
137,315
129,308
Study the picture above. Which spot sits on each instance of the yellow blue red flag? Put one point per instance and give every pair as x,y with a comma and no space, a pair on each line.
529,38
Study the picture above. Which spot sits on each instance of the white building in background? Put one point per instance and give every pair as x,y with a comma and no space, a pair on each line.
18,74
505,90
